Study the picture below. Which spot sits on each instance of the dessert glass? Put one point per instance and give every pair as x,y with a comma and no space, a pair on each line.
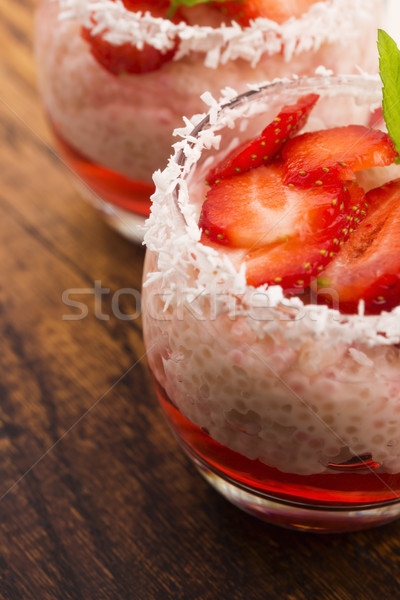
114,131
291,410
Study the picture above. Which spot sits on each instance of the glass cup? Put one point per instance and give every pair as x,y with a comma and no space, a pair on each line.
291,410
114,129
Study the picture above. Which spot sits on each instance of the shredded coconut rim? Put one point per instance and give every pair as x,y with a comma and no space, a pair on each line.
328,21
173,233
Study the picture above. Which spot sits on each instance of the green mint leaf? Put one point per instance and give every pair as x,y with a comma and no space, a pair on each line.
389,70
175,4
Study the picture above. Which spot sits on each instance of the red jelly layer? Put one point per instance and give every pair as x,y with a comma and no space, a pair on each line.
111,186
352,486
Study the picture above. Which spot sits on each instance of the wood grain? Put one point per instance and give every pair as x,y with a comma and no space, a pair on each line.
96,500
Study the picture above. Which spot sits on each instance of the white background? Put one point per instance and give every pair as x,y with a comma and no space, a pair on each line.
392,19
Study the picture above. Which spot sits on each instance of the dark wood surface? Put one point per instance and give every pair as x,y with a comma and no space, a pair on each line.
96,499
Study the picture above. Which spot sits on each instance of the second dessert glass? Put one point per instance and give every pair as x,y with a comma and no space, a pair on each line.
114,128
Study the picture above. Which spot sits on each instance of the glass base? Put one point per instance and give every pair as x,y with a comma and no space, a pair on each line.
323,519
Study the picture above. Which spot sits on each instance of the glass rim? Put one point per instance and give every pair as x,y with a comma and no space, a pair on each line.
323,22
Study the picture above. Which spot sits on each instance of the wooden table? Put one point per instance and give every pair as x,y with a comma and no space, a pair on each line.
97,501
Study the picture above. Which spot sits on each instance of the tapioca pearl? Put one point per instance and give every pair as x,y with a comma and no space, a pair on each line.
393,431
198,360
355,417
239,405
249,422
359,370
204,390
359,449
226,373
378,439
301,436
328,419
230,391
332,451
351,430
302,415
187,339
328,407
244,386
365,393
317,443
265,389
283,419
206,352
195,379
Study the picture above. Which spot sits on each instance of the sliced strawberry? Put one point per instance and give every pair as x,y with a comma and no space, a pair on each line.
368,264
244,11
295,263
261,150
126,58
320,156
158,8
256,208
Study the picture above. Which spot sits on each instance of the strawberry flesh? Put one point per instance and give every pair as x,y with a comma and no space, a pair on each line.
127,58
261,150
322,156
256,209
368,264
158,8
244,11
296,262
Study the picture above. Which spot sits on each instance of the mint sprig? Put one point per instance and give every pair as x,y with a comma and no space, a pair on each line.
389,70
175,4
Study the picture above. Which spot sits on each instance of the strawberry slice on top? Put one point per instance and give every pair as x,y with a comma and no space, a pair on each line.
158,8
256,208
261,150
296,262
243,11
127,58
368,264
318,157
